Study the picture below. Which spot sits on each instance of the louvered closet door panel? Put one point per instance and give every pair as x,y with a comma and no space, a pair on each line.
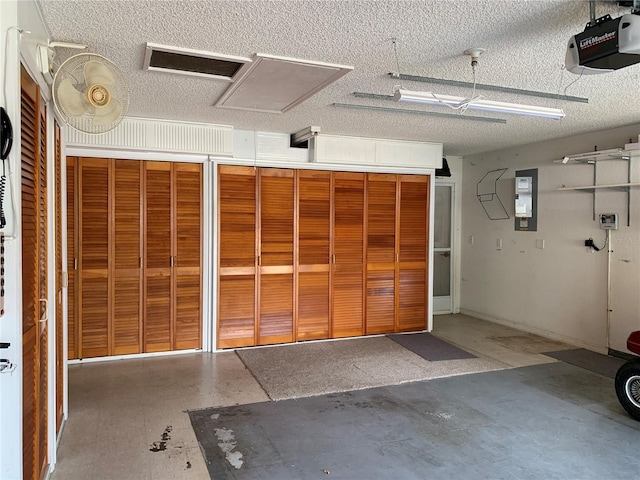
237,256
43,289
30,411
187,270
275,316
276,308
381,219
29,170
347,288
157,248
29,200
93,313
237,313
381,253
314,234
313,305
414,234
72,218
127,257
59,331
276,217
43,237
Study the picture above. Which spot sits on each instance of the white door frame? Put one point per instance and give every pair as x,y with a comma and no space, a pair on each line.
444,305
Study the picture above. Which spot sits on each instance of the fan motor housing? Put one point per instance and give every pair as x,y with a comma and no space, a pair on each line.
99,95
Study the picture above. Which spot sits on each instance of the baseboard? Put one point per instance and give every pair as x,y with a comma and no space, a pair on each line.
537,331
622,355
133,356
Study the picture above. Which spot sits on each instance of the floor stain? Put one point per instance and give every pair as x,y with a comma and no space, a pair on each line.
227,444
161,445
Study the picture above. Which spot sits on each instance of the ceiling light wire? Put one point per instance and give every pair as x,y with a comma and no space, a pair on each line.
394,40
579,77
474,64
560,82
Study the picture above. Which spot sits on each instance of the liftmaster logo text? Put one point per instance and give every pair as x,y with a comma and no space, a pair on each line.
591,41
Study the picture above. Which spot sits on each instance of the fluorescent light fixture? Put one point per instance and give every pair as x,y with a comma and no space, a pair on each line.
430,98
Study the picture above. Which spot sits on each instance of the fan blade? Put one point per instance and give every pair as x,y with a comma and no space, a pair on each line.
96,72
108,114
72,101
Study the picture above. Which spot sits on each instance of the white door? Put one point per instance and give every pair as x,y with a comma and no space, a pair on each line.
442,255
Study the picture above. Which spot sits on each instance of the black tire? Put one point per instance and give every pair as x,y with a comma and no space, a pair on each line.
628,387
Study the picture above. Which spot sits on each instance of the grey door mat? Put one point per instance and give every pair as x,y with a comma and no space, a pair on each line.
429,347
592,361
307,369
530,422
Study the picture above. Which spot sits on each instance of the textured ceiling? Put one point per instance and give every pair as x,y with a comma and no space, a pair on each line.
525,42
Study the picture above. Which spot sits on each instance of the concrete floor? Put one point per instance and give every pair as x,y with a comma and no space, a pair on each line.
128,419
542,422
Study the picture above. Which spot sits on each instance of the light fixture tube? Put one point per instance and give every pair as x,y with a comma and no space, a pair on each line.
430,98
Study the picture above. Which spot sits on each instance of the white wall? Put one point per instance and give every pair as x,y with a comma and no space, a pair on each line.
561,290
10,326
23,14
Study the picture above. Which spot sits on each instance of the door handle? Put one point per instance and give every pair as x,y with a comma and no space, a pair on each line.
45,319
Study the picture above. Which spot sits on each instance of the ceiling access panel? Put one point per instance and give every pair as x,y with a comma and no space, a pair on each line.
273,84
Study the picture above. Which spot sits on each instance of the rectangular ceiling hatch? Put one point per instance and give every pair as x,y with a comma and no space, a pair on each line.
276,84
192,62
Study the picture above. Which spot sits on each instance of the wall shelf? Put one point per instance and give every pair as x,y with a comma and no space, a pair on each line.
590,188
592,158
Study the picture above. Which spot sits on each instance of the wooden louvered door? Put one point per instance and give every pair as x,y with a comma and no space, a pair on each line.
275,260
313,266
172,256
348,255
381,253
43,290
72,268
412,268
125,245
187,235
93,257
307,254
237,256
59,280
158,258
34,279
138,249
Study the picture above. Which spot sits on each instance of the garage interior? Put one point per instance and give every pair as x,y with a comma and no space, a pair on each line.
300,239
